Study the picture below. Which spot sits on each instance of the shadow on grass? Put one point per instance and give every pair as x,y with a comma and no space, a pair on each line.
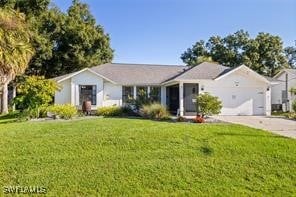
208,151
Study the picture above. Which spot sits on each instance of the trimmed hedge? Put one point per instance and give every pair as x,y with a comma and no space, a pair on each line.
109,111
66,111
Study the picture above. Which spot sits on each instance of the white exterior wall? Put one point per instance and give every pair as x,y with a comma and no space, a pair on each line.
276,91
87,78
112,94
108,94
70,89
240,94
64,95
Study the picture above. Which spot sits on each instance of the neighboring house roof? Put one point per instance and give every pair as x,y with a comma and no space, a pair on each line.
204,70
288,70
137,74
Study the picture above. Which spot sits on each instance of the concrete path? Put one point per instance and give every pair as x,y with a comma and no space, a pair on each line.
276,125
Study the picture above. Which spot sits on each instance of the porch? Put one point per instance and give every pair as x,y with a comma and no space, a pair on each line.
181,98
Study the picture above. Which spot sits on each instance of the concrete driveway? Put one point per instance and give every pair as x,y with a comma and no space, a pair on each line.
276,125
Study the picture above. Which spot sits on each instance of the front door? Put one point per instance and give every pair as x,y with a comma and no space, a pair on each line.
173,98
190,93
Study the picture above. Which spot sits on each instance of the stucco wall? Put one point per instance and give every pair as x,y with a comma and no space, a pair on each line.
240,94
64,95
70,89
112,94
87,78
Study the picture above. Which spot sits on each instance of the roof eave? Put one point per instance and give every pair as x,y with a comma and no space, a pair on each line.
240,67
85,69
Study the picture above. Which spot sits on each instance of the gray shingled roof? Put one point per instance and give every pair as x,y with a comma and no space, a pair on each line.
147,74
204,70
137,74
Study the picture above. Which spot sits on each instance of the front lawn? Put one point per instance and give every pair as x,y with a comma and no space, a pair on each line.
118,156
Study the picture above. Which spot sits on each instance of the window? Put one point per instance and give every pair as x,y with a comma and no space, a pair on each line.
155,94
87,93
127,93
142,92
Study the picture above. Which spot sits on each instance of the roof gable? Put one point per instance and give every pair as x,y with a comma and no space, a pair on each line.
244,67
68,76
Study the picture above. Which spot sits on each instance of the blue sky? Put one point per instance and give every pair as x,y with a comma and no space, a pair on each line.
158,31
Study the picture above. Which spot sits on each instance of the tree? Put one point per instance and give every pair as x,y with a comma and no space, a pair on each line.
64,42
15,49
28,7
35,91
196,54
207,105
264,54
68,42
291,55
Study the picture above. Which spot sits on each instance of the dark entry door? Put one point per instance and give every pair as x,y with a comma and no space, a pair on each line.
173,98
190,92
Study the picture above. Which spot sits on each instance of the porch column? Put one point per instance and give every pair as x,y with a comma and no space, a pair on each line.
268,101
163,95
148,91
72,93
135,92
181,98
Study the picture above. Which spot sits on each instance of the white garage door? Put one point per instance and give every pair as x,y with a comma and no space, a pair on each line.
241,101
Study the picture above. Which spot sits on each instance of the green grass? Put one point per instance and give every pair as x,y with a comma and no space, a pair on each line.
117,156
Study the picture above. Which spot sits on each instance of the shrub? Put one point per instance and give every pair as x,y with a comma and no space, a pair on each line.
38,112
207,104
291,115
35,91
109,111
66,111
155,111
128,111
294,105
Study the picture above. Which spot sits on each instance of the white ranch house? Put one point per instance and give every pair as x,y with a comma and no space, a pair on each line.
241,90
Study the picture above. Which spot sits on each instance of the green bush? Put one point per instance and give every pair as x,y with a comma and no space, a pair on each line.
291,115
128,111
109,111
38,112
207,104
66,111
155,111
34,92
294,105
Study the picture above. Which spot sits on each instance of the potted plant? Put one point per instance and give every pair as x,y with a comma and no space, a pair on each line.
207,105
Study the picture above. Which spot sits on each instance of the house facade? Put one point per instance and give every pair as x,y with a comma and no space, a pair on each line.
241,90
282,97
